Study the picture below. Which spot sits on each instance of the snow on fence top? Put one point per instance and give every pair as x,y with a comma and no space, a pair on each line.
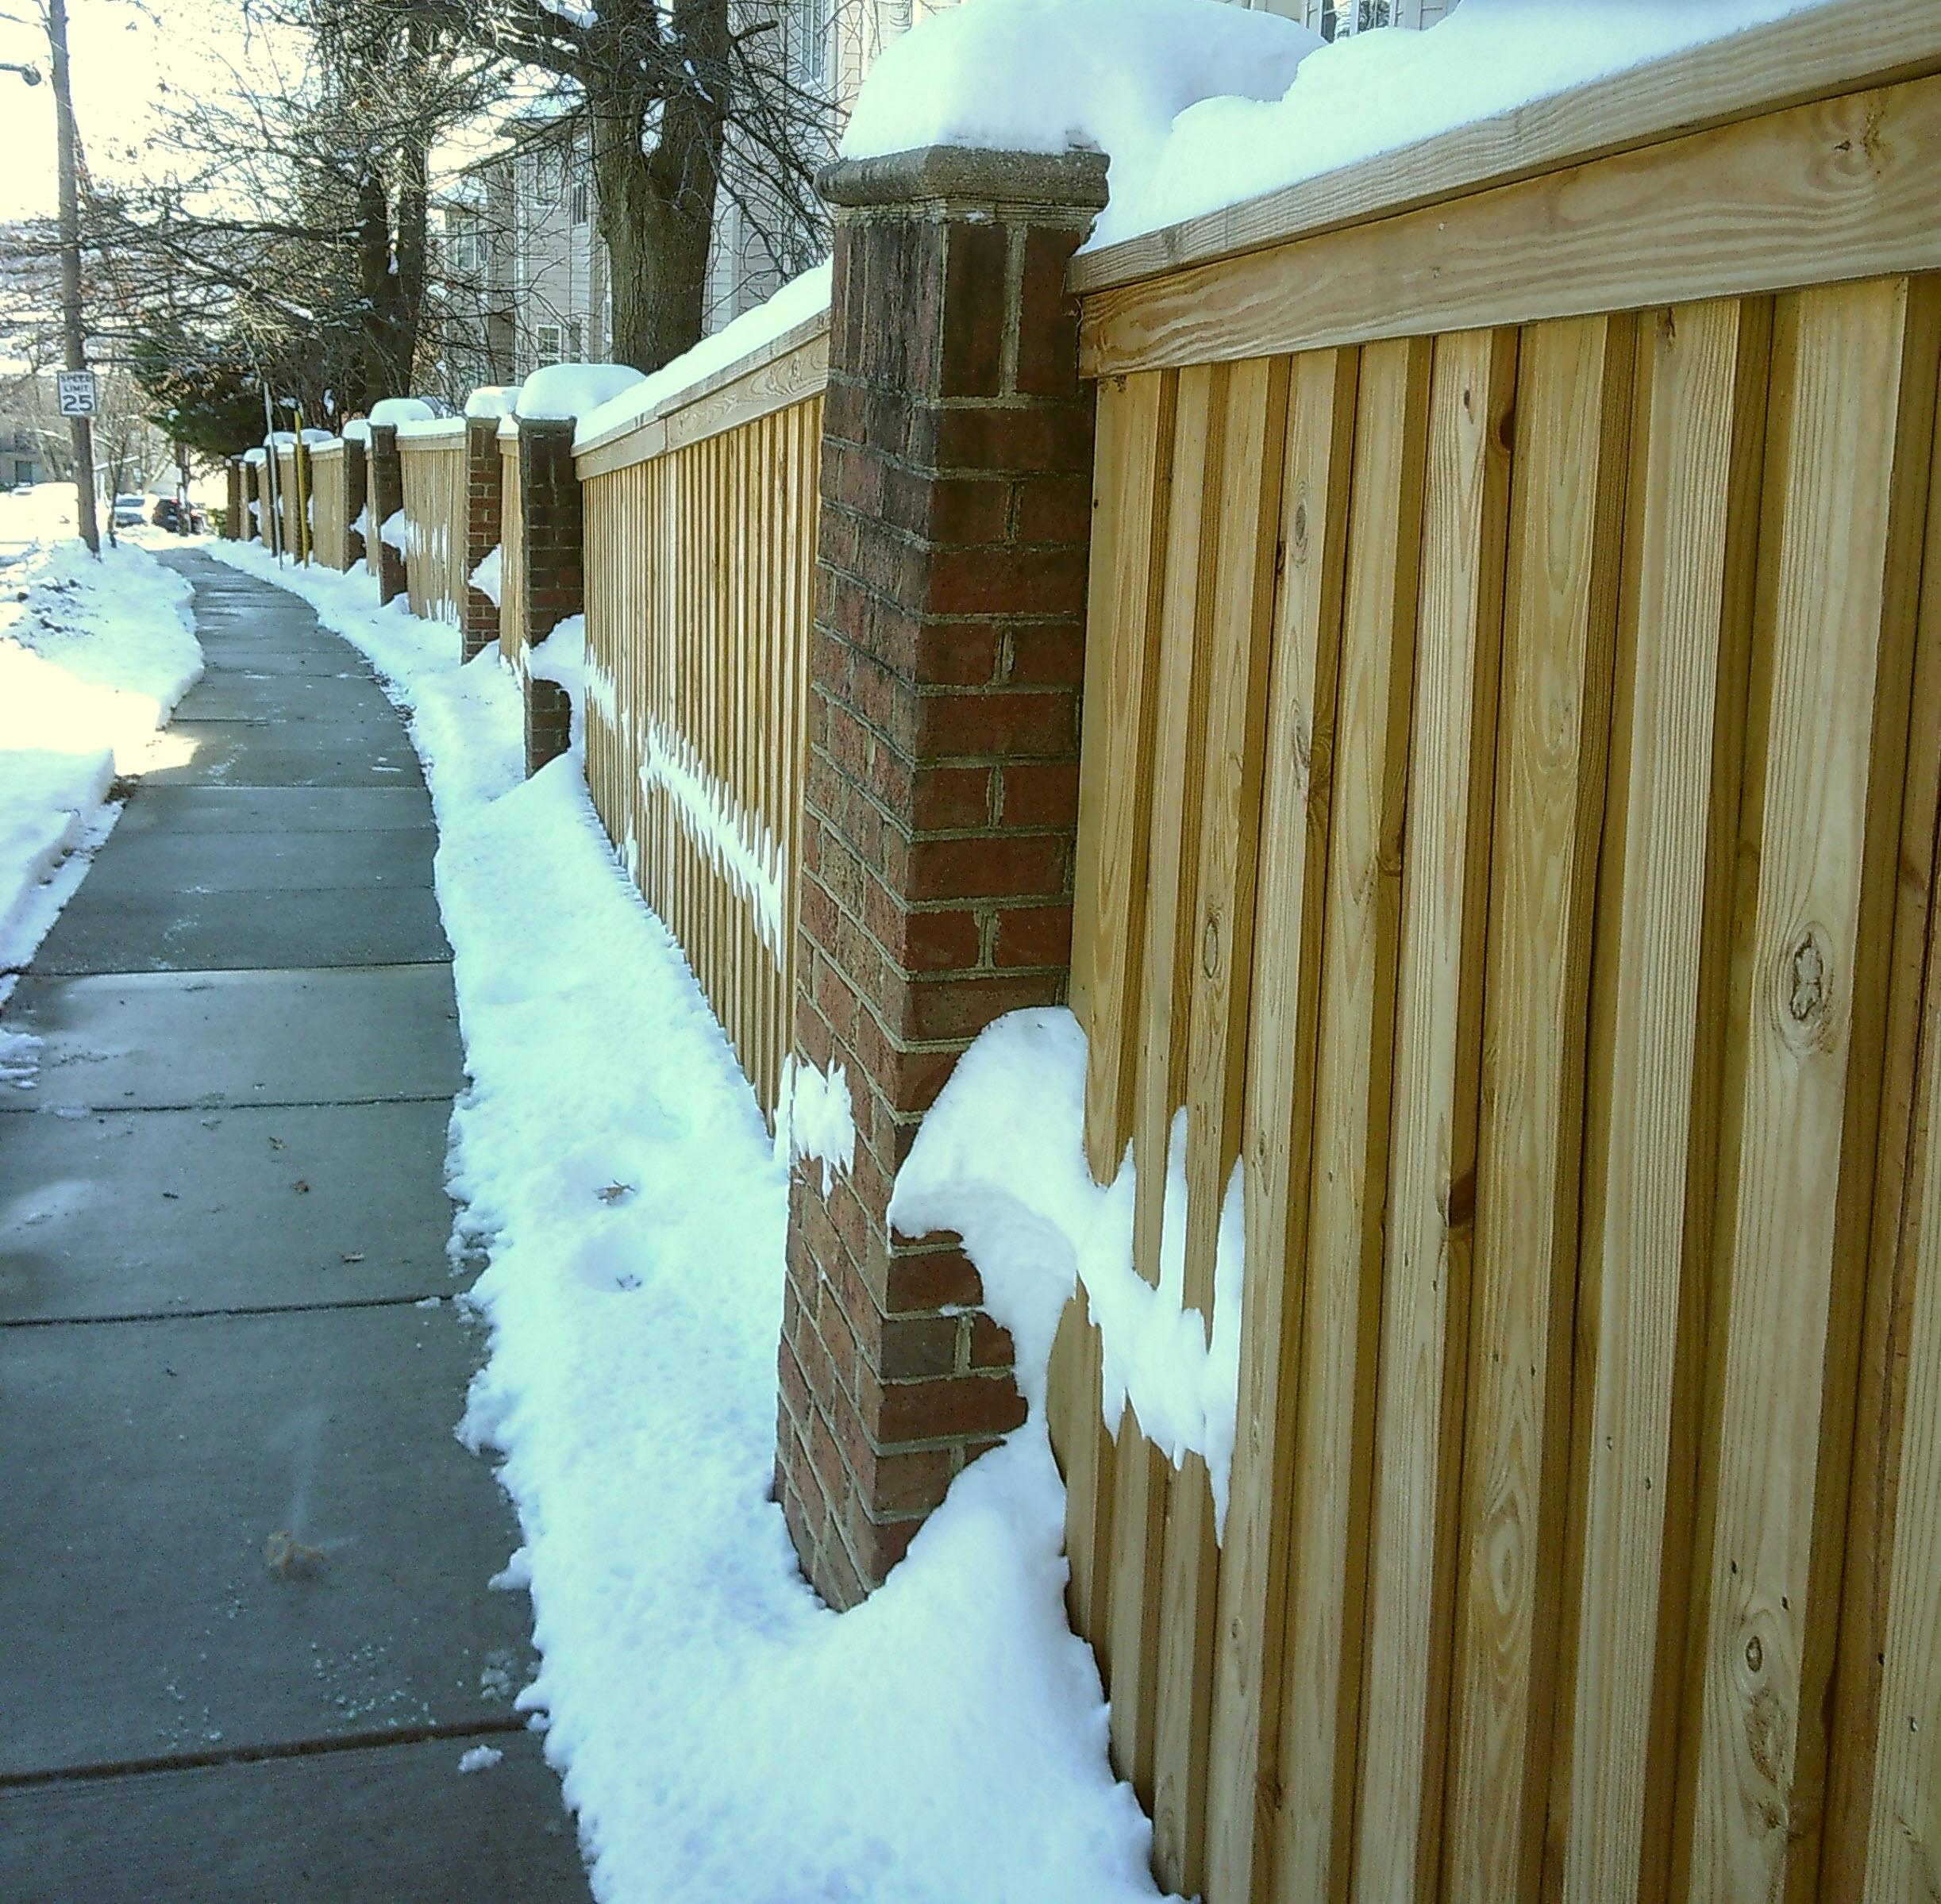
401,410
1198,113
797,312
561,393
493,400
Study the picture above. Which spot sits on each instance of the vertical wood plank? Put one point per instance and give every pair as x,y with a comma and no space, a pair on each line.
1850,437
1236,640
1296,792
1700,386
1567,494
1141,1484
1903,1841
1321,1672
1432,1167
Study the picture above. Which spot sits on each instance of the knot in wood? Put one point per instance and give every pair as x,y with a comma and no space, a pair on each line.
1210,946
1806,986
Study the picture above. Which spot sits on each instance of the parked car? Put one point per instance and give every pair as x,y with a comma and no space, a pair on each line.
128,511
169,513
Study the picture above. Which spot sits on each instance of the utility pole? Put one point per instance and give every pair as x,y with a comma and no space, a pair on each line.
71,268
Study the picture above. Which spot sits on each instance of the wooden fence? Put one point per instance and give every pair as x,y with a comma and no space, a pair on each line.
700,566
1511,759
511,551
433,459
329,505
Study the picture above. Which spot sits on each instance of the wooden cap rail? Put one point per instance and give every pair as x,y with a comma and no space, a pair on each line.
1603,198
787,369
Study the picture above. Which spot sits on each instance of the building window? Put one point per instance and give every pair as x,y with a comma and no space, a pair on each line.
545,345
582,202
809,29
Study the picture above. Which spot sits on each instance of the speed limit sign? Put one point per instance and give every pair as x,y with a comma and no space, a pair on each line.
76,389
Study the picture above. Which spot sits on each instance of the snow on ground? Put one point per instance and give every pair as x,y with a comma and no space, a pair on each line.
93,657
1198,113
722,1736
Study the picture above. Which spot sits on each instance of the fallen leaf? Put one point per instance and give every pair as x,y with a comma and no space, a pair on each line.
301,1187
613,1192
351,1256
277,1144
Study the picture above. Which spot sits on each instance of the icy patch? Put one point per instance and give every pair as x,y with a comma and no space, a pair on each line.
481,1758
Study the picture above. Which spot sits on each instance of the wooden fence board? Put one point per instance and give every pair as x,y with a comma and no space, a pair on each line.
1242,1793
1320,1696
1236,643
1561,597
1695,438
1432,1168
1831,659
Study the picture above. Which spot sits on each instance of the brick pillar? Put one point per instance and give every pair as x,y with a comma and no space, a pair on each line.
385,477
943,794
554,542
235,522
485,487
354,500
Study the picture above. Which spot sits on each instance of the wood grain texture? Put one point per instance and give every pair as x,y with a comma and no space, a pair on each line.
1432,1165
1831,659
1694,438
1560,599
1321,1665
1903,1843
1243,1789
1837,189
1223,836
1887,1319
1115,790
1850,46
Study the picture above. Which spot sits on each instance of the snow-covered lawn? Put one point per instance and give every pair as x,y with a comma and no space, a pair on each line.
93,657
722,1735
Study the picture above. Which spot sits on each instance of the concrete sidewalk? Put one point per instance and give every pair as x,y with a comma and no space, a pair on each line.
226,1333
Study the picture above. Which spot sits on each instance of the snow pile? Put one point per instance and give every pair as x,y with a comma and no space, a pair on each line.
1001,1159
493,400
798,301
357,430
47,801
562,658
722,1736
94,656
1202,105
395,530
401,410
490,574
561,392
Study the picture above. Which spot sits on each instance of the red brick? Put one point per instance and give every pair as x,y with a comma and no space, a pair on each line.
918,1345
914,1281
950,799
1008,581
1033,935
973,308
908,1481
1045,654
962,1007
1002,724
1039,793
994,866
1047,318
878,1545
991,1346
949,1406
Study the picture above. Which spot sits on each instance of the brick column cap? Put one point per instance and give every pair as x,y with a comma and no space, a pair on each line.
1059,188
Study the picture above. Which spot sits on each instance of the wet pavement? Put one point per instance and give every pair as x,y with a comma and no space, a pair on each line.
246,1637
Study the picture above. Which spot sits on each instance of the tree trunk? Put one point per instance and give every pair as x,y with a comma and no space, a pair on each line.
656,207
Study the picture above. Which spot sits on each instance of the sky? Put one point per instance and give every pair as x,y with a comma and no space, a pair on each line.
121,54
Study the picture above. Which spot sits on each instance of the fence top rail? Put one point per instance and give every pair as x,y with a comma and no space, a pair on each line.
786,368
1844,47
323,453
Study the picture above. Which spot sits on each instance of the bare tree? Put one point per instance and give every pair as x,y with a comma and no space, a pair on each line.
680,97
